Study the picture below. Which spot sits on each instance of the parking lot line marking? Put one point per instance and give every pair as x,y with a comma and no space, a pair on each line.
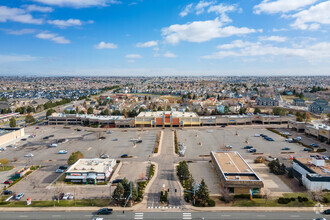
89,148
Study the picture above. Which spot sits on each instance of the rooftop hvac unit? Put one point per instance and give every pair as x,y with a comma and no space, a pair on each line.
236,177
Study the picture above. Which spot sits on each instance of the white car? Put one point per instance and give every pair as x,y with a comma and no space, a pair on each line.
70,196
62,152
286,133
228,146
29,155
66,196
109,132
289,139
210,131
104,156
257,135
59,171
298,138
52,145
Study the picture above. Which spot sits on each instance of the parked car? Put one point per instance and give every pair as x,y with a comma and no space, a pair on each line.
23,139
66,196
102,138
286,133
228,146
288,139
29,155
326,212
52,145
286,148
63,167
45,138
263,135
314,145
32,136
223,126
78,129
307,149
269,139
3,149
59,171
257,135
19,196
297,139
109,132
325,157
247,147
104,156
8,182
7,192
117,181
51,135
104,211
115,139
252,150
124,156
71,196
138,141
61,196
62,152
37,127
10,145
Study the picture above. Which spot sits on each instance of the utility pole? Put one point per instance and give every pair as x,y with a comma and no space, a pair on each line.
130,195
195,188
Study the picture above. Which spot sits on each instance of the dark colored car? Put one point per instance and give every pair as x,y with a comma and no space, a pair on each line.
314,145
24,139
117,181
7,192
61,196
223,126
263,135
78,129
286,148
104,211
63,167
124,156
247,147
45,138
102,138
326,212
8,182
51,135
307,149
139,141
252,150
269,139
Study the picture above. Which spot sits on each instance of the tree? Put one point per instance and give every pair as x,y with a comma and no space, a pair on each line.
74,157
118,193
4,162
183,170
3,99
257,111
202,194
49,112
328,120
168,108
29,119
30,109
90,110
226,195
12,122
159,108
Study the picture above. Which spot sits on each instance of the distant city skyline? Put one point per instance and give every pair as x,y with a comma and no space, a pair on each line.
164,37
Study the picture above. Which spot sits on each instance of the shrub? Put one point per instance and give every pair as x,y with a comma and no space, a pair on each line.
211,203
293,199
282,200
321,150
74,157
325,200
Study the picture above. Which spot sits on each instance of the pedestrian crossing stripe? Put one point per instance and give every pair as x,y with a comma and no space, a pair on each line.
164,207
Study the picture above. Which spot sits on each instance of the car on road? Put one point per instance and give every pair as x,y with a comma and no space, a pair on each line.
307,149
97,218
297,139
8,182
210,131
59,171
314,145
62,152
252,150
263,135
229,147
326,212
101,138
104,211
7,192
117,181
124,156
115,139
319,219
63,167
19,196
29,155
247,147
51,135
286,148
104,156
109,132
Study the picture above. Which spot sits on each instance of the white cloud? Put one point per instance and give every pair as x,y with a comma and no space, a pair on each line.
201,6
103,45
37,8
279,29
65,23
53,37
235,44
186,10
147,44
20,32
201,31
222,9
284,6
78,3
273,38
312,52
17,15
169,55
16,58
312,18
133,56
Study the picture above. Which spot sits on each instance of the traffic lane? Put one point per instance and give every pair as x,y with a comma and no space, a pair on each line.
163,215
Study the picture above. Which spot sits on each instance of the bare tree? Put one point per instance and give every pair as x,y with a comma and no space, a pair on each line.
316,195
226,195
98,134
58,188
100,152
267,195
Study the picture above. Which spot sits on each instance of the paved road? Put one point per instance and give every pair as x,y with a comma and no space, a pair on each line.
163,215
166,175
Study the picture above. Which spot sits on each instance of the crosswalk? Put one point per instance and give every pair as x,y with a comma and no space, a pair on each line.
163,207
186,215
138,215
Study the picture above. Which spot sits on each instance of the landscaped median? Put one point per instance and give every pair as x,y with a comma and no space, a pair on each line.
21,174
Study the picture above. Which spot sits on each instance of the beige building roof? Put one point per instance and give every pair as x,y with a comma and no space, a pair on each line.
175,114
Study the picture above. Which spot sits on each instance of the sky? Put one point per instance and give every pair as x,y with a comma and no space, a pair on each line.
164,37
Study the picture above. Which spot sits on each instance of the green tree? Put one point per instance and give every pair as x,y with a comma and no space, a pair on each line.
183,170
12,122
30,109
159,108
257,111
4,162
118,193
168,108
49,112
4,99
90,110
30,119
74,157
106,112
202,194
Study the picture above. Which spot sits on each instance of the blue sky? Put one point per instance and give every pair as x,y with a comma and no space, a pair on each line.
164,37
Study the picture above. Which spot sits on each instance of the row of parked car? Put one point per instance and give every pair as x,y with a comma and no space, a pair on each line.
15,197
62,196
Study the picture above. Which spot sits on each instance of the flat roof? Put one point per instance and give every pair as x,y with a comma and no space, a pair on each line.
175,114
92,165
318,126
232,165
307,161
88,116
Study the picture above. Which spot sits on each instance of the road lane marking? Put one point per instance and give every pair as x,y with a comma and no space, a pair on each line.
225,215
186,216
56,216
